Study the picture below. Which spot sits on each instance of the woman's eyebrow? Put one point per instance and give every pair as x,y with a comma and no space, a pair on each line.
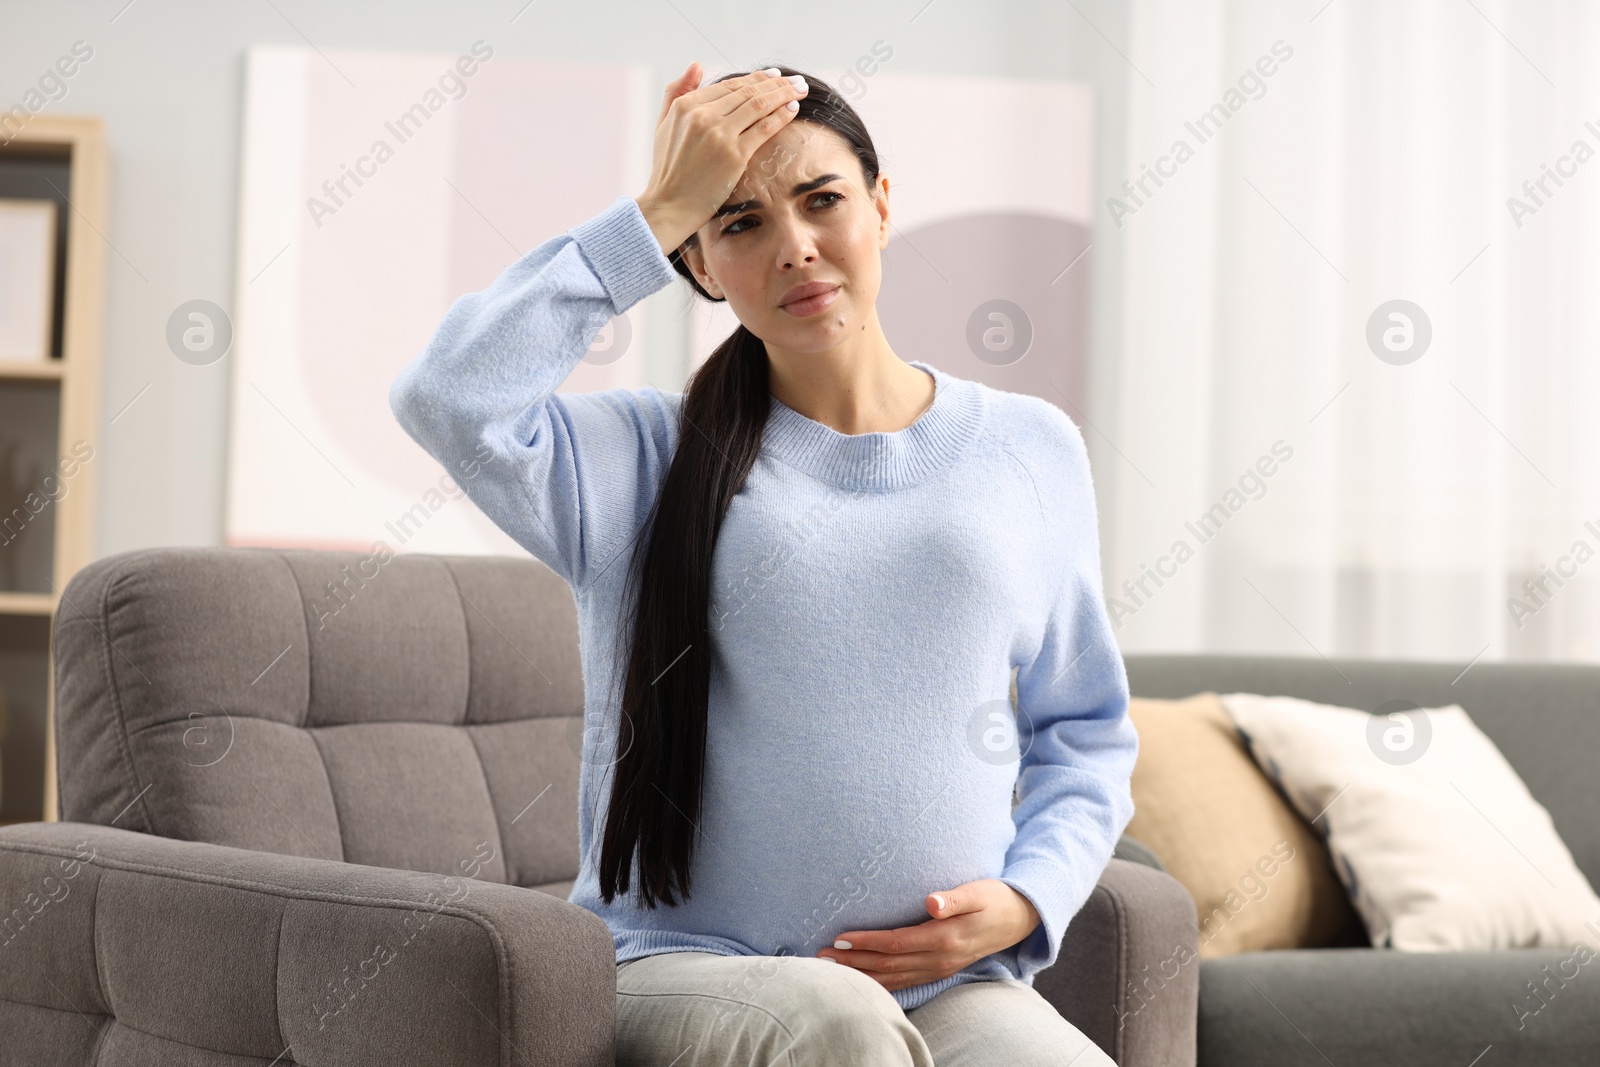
802,188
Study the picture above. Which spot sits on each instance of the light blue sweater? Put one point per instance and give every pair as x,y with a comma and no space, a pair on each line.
872,595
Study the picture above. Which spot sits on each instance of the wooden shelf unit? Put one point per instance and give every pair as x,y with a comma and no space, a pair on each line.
27,603
11,369
80,142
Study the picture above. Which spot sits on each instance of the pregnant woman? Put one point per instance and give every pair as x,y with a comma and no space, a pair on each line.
856,741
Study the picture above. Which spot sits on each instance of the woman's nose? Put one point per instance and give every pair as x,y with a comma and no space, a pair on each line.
796,244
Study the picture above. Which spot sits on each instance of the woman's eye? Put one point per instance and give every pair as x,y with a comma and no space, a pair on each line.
730,228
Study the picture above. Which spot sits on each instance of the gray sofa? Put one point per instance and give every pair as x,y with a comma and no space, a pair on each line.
1365,1007
321,808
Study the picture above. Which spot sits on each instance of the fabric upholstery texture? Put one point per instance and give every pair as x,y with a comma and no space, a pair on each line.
396,718
1366,1007
1128,976
137,949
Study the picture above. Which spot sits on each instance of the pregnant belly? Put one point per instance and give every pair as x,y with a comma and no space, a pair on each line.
788,869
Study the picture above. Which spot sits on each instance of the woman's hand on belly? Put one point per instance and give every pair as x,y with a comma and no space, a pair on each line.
969,922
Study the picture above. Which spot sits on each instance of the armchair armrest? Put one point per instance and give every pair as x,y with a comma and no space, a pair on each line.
1128,974
158,947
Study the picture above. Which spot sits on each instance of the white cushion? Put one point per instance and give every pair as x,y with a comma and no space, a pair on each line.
1436,838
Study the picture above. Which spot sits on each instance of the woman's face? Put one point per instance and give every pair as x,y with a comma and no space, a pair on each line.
775,239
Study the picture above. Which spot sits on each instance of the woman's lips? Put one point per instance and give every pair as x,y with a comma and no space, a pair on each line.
812,304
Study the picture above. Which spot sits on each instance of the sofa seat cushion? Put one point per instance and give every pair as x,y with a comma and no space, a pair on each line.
1369,1007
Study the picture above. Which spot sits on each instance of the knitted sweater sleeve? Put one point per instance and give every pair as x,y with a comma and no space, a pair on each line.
570,477
1078,744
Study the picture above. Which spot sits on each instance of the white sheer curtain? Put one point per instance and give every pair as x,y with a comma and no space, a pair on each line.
1373,163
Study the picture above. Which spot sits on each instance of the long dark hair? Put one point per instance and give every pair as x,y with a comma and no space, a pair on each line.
661,731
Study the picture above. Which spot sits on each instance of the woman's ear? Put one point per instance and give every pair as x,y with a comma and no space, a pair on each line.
690,254
881,202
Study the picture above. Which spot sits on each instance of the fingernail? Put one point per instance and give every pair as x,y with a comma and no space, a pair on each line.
793,105
772,72
830,959
938,901
842,943
798,81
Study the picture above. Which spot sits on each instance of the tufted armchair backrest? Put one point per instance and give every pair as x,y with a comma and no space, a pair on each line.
414,711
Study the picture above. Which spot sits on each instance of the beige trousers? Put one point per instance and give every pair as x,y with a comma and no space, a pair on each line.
701,1009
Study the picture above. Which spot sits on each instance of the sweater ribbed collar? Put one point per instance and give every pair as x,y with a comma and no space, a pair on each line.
880,460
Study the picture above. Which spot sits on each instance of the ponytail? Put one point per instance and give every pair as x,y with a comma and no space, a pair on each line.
656,788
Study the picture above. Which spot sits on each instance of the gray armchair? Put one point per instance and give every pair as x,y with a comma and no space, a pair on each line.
320,807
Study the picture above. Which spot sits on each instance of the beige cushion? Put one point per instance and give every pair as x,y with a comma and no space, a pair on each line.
1259,874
